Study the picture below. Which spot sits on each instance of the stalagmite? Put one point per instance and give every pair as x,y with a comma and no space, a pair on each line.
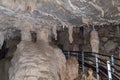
94,41
1,39
90,73
37,61
54,29
70,34
72,68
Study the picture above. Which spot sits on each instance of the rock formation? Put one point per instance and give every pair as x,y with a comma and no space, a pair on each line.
37,61
27,15
72,68
4,65
90,77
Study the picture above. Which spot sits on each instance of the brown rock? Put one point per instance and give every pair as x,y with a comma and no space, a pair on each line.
72,68
37,61
90,73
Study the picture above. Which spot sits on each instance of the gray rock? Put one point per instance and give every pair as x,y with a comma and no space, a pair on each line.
110,45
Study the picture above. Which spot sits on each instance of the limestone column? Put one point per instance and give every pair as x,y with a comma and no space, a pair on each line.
37,61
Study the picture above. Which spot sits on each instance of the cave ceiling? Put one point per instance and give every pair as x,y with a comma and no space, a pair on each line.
13,13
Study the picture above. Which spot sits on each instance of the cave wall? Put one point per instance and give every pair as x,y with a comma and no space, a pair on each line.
63,39
109,38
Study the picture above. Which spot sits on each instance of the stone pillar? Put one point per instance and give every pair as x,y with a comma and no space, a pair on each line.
37,61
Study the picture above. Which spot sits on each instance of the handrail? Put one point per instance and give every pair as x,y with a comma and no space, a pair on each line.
117,65
88,56
115,68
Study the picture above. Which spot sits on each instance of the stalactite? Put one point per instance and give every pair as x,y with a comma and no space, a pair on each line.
94,41
1,39
70,34
54,29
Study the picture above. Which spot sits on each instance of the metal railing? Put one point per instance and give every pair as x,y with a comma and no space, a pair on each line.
104,65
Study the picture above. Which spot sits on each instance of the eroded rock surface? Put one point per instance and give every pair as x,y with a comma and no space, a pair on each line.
37,61
72,67
59,12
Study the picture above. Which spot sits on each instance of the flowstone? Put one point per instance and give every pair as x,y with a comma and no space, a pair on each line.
37,61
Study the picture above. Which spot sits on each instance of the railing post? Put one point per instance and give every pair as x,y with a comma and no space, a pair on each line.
83,61
112,63
109,70
68,54
83,64
97,66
